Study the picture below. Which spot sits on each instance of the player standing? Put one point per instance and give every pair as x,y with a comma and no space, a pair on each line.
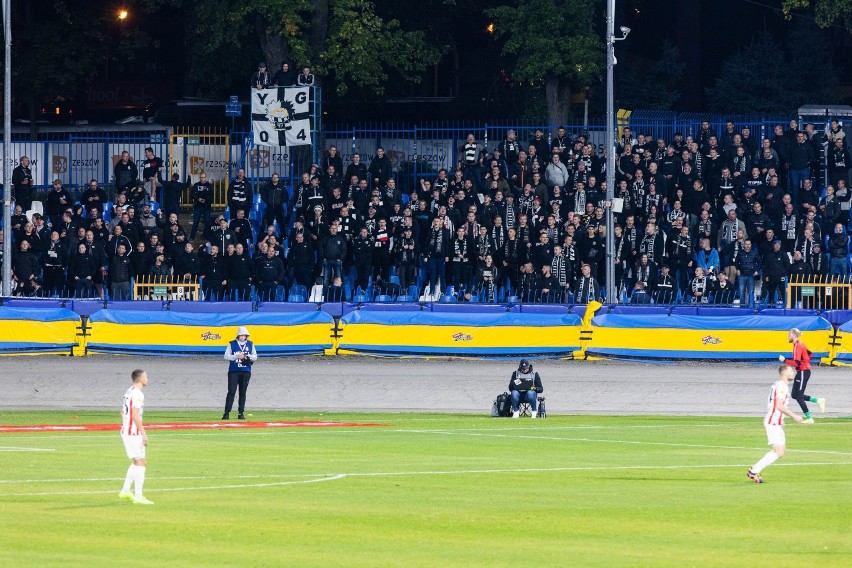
779,394
801,362
134,437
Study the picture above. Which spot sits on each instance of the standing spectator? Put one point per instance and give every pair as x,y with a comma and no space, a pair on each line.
699,288
53,262
202,200
436,255
356,168
25,269
839,161
773,422
332,158
838,245
284,77
94,197
801,158
239,194
332,253
801,362
305,78
241,354
152,169
213,273
510,147
275,196
525,386
261,79
556,173
58,200
380,170
22,184
240,273
81,270
119,275
125,173
134,438
748,270
172,193
269,274
587,287
775,265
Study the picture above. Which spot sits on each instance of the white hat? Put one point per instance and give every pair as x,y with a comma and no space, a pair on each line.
242,331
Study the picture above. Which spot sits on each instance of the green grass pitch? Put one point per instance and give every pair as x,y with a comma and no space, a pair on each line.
429,490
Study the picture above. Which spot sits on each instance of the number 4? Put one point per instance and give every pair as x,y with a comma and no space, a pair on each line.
301,135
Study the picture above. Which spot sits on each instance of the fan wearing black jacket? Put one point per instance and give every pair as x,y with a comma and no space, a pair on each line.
525,386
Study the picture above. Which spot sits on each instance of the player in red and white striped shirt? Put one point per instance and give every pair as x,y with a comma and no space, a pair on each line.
776,410
134,437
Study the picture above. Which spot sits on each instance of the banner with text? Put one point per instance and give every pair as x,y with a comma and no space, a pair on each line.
281,116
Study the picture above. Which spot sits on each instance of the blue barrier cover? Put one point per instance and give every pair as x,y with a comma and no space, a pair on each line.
211,307
88,307
35,303
846,327
750,322
43,315
206,319
461,319
137,305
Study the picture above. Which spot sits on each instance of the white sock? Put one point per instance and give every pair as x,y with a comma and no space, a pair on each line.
131,473
139,481
767,460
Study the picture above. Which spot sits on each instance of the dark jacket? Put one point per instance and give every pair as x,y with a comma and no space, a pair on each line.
529,381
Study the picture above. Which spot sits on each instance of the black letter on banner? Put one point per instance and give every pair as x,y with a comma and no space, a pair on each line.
301,97
262,97
264,136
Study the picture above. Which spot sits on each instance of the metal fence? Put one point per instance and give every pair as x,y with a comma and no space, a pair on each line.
415,150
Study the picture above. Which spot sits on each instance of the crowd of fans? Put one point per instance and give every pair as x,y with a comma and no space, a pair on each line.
708,218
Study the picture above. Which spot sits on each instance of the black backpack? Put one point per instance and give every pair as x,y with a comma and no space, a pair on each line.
502,406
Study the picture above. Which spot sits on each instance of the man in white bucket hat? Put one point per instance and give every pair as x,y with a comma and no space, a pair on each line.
241,353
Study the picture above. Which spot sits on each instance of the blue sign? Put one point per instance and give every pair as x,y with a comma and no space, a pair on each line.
233,107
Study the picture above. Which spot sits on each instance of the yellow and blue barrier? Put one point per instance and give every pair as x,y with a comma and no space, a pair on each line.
186,333
32,330
664,336
843,344
424,333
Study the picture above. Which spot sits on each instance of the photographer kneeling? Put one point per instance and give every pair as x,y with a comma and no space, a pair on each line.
525,386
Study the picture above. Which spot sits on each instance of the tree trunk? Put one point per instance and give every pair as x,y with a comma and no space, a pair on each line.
272,43
319,29
558,95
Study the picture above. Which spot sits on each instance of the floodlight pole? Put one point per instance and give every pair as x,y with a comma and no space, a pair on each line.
610,151
7,149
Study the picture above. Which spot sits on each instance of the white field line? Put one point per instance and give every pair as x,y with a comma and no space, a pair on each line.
313,431
18,449
337,476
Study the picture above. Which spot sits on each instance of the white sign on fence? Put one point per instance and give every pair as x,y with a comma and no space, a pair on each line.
34,151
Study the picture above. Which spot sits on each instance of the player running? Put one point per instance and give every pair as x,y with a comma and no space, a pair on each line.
134,437
779,394
801,362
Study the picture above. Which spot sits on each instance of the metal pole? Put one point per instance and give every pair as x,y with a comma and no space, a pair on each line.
610,151
7,148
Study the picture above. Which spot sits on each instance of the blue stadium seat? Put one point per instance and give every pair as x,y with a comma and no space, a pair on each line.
383,298
298,290
448,299
295,298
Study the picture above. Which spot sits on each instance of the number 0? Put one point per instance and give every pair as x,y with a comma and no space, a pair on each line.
264,136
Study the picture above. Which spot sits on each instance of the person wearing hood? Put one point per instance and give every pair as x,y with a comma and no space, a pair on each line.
242,354
525,386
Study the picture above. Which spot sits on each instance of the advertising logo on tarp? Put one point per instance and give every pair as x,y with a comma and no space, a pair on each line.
210,336
710,340
462,337
60,164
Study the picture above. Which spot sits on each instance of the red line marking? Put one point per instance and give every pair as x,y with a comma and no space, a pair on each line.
190,426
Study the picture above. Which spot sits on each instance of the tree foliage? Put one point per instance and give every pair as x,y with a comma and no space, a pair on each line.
552,42
771,78
363,49
826,12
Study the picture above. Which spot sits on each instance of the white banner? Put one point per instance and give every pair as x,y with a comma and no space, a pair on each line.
193,159
77,164
281,116
34,151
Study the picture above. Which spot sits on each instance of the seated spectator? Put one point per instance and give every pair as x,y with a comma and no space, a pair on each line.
335,292
525,386
722,290
640,295
699,288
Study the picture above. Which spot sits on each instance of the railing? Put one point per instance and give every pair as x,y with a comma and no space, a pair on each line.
153,287
819,292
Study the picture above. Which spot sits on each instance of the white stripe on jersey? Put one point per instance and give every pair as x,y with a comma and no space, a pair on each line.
132,398
779,394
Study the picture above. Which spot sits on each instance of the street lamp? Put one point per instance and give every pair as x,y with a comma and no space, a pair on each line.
610,145
122,15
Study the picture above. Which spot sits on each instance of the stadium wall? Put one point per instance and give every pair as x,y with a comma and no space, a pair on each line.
49,330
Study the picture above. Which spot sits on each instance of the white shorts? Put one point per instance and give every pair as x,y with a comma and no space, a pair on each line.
133,446
775,434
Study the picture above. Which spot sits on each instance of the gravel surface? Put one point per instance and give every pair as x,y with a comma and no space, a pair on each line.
397,385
